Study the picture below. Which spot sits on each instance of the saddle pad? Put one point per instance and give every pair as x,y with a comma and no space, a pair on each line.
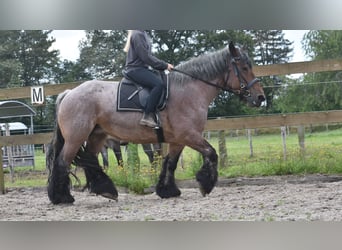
132,97
128,97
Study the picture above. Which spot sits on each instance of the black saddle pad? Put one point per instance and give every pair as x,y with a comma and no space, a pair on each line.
132,96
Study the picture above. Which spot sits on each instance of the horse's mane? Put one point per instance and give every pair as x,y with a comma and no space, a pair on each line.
206,67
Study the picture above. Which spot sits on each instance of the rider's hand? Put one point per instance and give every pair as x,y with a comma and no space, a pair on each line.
169,67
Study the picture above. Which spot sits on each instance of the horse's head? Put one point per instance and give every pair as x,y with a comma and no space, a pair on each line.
242,80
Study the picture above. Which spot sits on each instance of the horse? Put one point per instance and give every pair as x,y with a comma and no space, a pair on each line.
114,144
87,113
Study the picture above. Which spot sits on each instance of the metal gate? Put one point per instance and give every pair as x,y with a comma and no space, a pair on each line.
16,155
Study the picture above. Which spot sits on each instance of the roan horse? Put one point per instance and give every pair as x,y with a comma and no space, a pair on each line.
88,113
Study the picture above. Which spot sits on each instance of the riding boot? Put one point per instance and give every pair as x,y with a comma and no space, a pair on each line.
148,120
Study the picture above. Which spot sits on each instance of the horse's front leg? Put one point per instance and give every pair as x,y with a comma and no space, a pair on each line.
207,175
166,186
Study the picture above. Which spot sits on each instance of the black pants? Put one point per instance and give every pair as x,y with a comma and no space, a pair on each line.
148,79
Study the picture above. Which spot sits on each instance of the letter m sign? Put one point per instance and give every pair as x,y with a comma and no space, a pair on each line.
37,95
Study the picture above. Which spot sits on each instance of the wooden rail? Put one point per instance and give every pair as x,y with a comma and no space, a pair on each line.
260,70
298,67
265,121
261,121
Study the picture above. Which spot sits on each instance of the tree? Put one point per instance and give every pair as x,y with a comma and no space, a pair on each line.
317,91
101,53
271,48
26,58
327,86
69,71
10,66
38,62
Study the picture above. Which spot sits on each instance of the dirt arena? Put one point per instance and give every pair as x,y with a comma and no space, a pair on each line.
307,198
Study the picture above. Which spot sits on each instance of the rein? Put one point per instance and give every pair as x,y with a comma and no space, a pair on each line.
244,85
202,80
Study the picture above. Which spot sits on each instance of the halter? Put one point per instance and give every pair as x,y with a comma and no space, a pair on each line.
244,85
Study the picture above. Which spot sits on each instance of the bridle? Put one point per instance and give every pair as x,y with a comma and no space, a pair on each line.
244,85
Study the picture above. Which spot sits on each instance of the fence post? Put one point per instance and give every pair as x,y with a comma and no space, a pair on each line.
2,177
301,138
250,140
9,153
223,157
283,136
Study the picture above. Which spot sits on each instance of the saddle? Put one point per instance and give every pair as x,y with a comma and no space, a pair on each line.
133,97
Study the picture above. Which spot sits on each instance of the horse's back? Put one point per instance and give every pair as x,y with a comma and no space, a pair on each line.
96,87
93,90
89,97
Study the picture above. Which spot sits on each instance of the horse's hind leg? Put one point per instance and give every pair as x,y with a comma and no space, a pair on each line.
59,181
97,181
104,154
115,145
166,186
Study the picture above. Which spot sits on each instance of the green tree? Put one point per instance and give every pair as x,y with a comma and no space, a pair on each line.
271,48
26,58
69,71
38,62
101,53
316,91
173,46
10,67
325,87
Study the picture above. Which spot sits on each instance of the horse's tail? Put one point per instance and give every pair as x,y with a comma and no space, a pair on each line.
57,142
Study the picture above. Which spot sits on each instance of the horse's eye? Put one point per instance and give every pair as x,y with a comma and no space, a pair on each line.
245,68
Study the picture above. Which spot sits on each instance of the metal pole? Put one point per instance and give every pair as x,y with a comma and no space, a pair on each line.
2,177
31,147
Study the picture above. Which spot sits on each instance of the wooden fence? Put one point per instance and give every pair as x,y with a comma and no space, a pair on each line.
218,124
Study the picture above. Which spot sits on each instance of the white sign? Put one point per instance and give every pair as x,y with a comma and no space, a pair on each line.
37,95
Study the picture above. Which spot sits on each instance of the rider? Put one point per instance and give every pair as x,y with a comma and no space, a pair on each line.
139,58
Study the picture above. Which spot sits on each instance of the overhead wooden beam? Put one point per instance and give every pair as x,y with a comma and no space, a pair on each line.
25,92
266,121
40,138
298,67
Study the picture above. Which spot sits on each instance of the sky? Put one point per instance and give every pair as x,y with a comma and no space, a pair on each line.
67,42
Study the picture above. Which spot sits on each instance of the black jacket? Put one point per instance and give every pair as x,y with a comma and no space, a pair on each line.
139,53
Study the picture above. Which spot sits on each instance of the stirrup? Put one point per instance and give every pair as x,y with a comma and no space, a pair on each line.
156,119
148,120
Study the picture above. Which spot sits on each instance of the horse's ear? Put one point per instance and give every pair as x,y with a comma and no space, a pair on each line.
233,51
244,47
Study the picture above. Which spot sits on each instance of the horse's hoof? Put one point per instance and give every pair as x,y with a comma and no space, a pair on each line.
110,196
206,184
63,200
203,192
168,192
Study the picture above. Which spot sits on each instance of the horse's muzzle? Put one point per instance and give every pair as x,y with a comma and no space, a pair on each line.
255,101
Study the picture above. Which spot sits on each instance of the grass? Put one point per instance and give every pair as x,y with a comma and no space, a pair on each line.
322,155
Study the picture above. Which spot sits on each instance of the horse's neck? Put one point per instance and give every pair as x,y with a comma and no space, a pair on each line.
198,92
